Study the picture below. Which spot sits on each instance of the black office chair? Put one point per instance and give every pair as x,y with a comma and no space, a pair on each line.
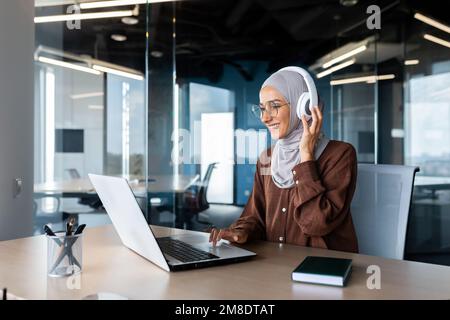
92,202
194,199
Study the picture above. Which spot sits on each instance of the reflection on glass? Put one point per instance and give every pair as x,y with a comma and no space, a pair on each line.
90,111
428,124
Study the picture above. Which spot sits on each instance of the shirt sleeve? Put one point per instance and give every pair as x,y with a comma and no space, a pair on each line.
252,219
320,207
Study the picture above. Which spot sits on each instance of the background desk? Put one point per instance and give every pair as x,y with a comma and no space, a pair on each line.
169,186
109,266
83,187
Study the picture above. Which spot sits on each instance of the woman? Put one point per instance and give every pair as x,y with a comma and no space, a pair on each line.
304,184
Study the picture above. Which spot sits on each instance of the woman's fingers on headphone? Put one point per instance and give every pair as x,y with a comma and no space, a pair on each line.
305,124
320,117
315,119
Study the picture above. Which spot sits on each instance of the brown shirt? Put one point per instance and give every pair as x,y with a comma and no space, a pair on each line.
315,212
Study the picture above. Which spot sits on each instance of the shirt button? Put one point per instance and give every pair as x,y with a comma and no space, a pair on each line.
294,172
284,210
296,182
281,239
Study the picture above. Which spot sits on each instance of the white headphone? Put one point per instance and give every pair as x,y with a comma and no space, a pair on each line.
307,99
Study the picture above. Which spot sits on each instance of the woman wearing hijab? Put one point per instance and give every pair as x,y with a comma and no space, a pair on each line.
304,184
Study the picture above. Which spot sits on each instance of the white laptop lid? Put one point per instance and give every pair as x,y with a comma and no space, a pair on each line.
127,218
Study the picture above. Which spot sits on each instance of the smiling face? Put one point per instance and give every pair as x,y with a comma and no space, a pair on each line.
278,125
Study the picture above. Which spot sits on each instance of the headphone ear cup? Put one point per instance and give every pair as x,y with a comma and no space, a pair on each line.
303,106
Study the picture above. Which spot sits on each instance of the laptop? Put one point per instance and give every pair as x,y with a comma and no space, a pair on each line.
173,253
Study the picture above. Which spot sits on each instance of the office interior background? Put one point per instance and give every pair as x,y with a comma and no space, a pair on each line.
161,93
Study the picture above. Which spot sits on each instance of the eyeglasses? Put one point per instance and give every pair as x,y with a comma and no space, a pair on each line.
271,108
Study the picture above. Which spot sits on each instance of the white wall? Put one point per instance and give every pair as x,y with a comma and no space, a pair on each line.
16,116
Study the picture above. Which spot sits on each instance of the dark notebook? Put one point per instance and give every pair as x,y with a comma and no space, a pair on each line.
323,270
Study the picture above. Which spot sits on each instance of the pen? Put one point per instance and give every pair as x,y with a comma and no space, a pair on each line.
80,229
69,226
50,233
5,294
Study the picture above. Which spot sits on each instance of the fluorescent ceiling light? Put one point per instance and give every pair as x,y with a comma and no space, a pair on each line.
119,37
118,72
83,16
116,3
411,62
335,68
87,95
68,65
344,56
52,3
130,20
432,22
437,40
95,107
368,79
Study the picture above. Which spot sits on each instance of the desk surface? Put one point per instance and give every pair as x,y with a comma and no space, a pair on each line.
110,267
432,182
162,183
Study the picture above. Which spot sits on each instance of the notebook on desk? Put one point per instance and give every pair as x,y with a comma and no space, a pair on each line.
323,270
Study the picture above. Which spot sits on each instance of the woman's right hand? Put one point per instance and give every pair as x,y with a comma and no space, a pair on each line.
238,236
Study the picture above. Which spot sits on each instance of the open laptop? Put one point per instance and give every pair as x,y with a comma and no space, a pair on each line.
173,253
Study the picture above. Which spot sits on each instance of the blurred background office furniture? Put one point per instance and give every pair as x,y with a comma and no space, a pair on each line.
90,201
199,213
46,210
77,196
194,200
380,208
428,237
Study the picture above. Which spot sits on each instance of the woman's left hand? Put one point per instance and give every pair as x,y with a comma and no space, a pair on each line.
310,134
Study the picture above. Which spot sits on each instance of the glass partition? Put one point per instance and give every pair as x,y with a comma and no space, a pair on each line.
90,107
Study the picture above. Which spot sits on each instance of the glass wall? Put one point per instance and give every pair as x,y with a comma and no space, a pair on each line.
186,133
90,108
426,120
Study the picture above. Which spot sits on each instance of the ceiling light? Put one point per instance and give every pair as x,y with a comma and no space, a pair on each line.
118,72
432,22
411,62
116,3
86,95
437,40
52,3
344,56
156,54
68,65
130,20
83,16
348,3
119,37
335,68
367,79
95,107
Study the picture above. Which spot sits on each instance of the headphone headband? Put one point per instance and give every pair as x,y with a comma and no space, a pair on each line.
306,100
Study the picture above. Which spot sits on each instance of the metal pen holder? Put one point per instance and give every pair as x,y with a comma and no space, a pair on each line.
64,254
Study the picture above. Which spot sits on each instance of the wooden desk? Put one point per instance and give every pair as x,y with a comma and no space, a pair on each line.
109,266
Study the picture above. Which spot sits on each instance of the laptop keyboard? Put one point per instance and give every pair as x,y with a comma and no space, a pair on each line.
182,251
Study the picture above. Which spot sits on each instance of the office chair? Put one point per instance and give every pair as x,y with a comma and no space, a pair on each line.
380,208
194,199
93,203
